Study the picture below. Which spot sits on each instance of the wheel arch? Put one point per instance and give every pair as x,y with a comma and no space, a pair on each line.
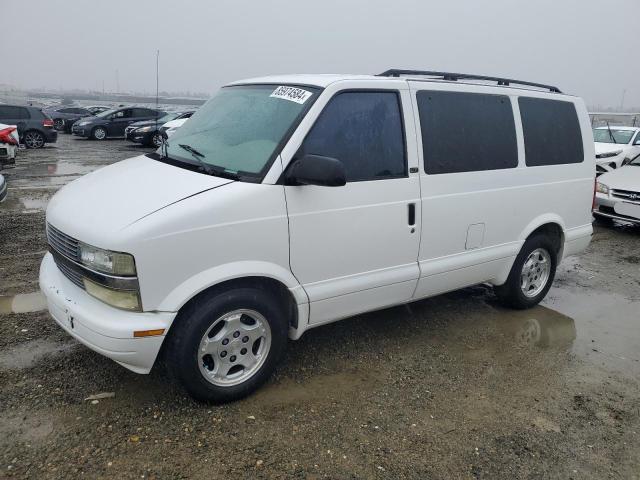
262,275
549,224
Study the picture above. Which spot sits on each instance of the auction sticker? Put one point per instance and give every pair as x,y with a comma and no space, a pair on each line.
292,94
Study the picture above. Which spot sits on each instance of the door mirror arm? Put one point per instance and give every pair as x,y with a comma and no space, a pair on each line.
316,170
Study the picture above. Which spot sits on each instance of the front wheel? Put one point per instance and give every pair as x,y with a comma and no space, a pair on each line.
531,275
58,124
156,140
224,347
99,133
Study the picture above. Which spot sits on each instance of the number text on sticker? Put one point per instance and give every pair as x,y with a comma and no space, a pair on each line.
292,94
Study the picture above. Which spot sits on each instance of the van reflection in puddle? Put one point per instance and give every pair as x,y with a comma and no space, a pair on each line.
540,327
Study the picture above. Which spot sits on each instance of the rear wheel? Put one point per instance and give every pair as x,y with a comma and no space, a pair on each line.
224,347
531,275
99,133
34,139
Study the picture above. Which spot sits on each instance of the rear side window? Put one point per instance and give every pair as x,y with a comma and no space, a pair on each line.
363,130
142,112
11,112
551,131
466,132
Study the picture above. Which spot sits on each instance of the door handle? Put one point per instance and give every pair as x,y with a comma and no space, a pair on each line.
412,214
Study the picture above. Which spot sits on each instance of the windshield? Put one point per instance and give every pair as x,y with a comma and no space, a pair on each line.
106,113
602,135
239,129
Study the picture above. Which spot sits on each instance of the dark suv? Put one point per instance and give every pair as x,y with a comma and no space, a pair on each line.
112,123
66,116
34,127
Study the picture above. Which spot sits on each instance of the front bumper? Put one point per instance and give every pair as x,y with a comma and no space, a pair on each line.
605,206
102,328
83,131
134,136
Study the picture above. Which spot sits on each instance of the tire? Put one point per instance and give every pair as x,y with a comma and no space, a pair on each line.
58,124
539,273
34,139
99,133
156,140
214,335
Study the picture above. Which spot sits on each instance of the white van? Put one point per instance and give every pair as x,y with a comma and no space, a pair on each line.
292,201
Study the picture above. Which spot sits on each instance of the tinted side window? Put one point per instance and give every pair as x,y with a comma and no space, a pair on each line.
66,110
142,112
551,131
363,130
465,132
11,112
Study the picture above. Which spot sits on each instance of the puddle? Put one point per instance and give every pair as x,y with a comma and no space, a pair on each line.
607,326
26,355
23,303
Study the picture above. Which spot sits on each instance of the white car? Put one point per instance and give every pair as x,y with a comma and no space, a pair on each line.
292,201
615,146
170,127
618,194
9,142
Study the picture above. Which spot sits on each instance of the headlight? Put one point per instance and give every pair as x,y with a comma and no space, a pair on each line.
602,188
144,129
126,299
609,154
106,261
82,124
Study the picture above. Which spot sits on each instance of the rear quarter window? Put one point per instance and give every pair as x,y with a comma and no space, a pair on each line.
551,130
466,132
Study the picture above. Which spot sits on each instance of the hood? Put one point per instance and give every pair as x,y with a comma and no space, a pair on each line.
95,207
175,123
145,123
91,119
623,178
608,147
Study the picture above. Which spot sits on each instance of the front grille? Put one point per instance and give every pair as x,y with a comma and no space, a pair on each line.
627,195
63,243
68,271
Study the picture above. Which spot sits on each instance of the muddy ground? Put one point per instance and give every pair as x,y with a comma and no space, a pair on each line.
451,387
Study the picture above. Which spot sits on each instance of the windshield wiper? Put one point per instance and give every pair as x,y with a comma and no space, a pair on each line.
611,134
206,167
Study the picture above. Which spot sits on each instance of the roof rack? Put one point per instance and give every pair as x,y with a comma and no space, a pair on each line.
466,76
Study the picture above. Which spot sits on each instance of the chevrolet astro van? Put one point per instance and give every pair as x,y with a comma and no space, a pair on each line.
288,202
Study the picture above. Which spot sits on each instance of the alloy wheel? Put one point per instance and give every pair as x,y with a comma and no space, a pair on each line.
234,347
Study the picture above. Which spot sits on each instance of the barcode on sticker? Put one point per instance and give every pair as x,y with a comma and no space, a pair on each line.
292,94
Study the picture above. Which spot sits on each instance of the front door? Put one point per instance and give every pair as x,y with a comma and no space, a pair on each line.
354,248
121,119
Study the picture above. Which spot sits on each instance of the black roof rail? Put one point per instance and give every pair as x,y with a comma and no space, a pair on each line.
465,76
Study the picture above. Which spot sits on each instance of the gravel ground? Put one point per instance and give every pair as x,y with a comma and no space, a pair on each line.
450,387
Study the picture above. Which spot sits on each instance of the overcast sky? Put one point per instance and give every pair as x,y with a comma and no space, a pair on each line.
588,48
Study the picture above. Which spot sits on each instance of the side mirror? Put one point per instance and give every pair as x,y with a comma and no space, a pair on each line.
316,170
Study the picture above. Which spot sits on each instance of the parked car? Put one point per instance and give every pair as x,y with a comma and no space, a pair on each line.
3,189
35,128
96,109
615,146
148,132
9,141
170,128
290,202
64,115
618,194
112,123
